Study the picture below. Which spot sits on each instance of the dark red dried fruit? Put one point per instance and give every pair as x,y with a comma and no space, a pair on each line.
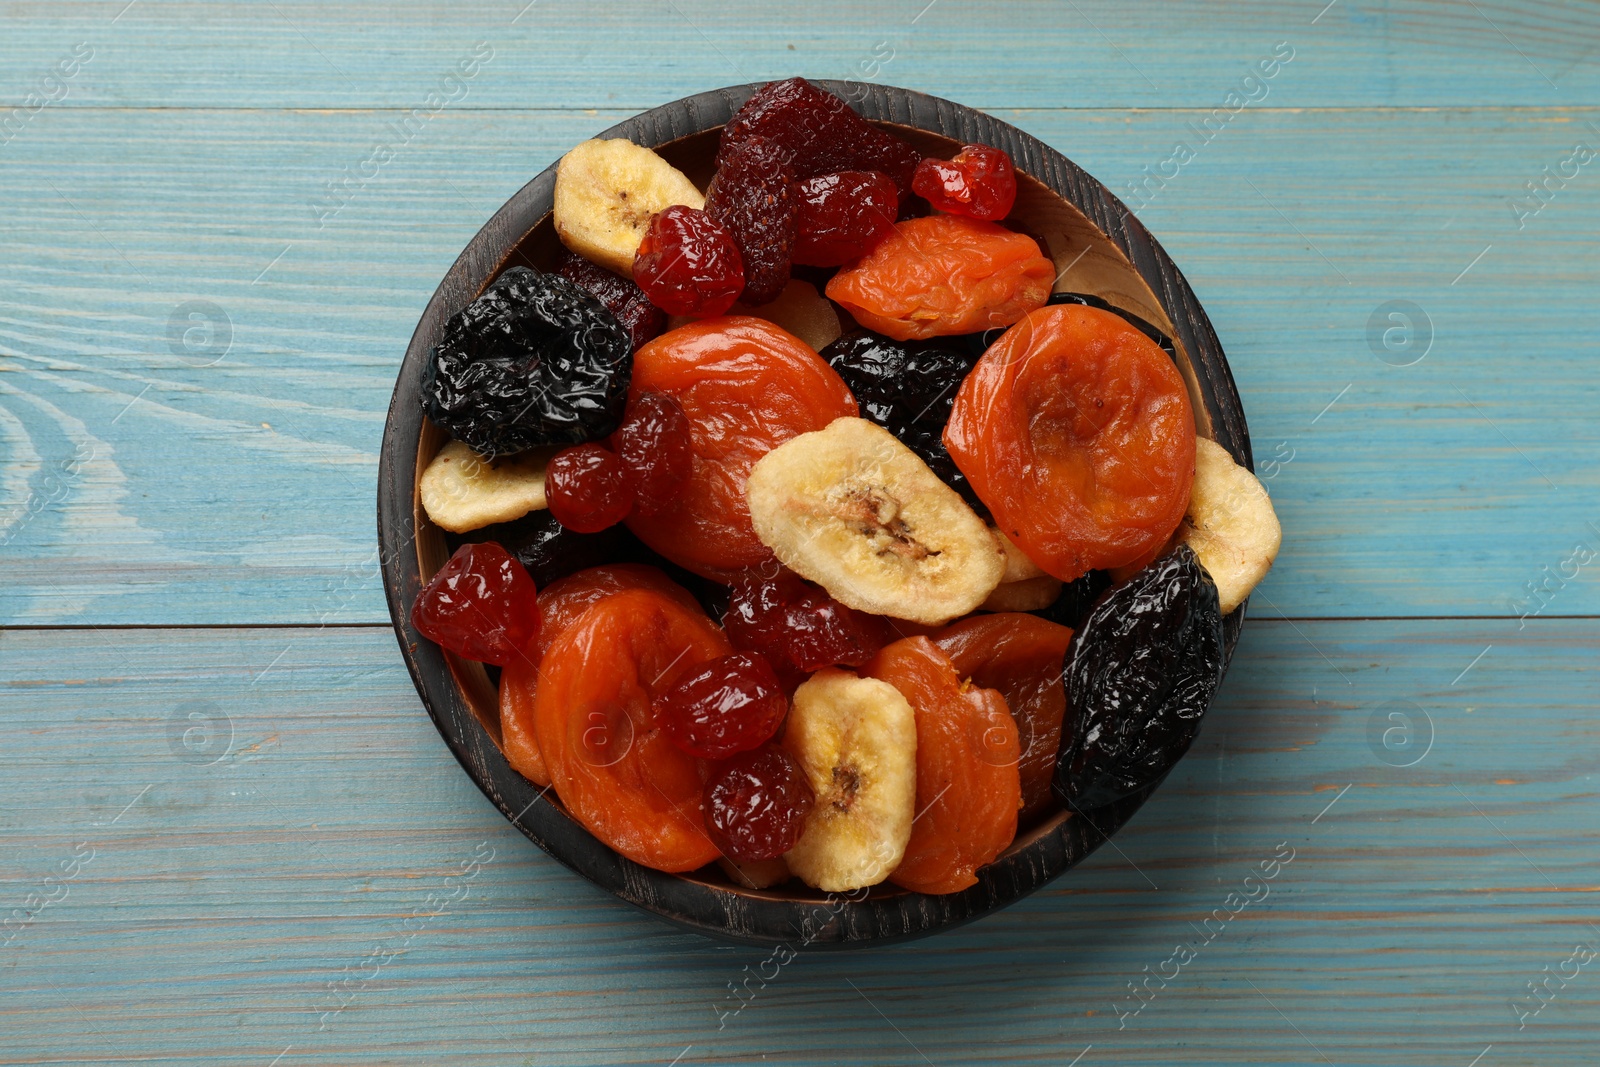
587,488
756,805
979,183
656,449
723,707
842,216
481,605
799,626
642,319
688,263
820,132
752,196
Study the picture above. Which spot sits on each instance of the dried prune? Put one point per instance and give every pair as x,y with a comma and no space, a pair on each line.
908,389
535,360
842,216
642,319
1077,598
1139,676
549,550
753,197
820,132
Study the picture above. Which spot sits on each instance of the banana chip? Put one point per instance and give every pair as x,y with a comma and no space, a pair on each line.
462,491
606,192
1230,525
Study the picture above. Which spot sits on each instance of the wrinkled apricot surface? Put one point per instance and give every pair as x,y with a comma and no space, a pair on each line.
747,386
1021,656
612,768
1076,430
561,602
968,789
942,275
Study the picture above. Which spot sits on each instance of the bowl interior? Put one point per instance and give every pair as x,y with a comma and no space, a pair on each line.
1088,259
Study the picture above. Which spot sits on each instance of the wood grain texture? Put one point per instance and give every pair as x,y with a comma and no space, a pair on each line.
1437,488
220,904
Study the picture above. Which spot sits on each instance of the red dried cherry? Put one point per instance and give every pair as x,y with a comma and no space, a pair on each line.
979,183
688,263
481,605
756,805
798,625
843,215
723,707
656,449
587,488
752,195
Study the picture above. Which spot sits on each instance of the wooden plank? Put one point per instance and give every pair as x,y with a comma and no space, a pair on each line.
227,477
220,899
1094,53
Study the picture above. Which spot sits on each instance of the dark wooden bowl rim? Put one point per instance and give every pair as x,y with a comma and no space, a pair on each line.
722,910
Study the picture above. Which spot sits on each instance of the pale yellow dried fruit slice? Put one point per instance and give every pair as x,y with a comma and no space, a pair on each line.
860,514
462,491
1019,568
606,192
1230,525
856,740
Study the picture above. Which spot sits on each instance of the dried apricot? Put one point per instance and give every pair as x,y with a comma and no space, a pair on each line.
968,785
561,603
944,275
1077,431
614,770
1021,656
747,386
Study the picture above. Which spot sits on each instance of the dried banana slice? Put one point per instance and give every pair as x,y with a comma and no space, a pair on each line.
1230,525
1023,586
606,192
859,513
856,740
462,491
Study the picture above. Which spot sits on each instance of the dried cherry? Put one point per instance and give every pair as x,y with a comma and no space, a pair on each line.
535,360
723,707
753,197
621,296
1140,675
944,275
587,488
688,263
481,605
1078,433
979,183
797,625
655,448
842,216
756,804
747,386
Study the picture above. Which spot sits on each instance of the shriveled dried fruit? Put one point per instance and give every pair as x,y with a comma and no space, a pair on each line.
655,448
724,706
689,264
550,551
842,216
756,805
820,132
797,625
536,360
588,489
1140,675
624,299
752,196
979,183
944,275
481,605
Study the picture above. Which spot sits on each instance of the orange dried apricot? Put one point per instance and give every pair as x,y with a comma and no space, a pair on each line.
968,789
747,386
615,772
1077,431
944,274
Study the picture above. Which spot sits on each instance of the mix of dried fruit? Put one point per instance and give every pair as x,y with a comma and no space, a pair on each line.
848,608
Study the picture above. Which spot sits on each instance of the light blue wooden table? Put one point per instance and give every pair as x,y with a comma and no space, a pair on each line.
227,825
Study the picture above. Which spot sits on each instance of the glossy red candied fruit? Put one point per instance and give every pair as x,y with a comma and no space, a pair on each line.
799,626
723,707
979,183
820,132
756,804
587,488
481,605
623,298
842,216
657,450
688,263
752,196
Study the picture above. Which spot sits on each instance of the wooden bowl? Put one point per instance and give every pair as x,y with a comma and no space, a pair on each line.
1098,246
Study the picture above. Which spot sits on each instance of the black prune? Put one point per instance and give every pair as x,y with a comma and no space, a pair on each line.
535,360
1139,676
642,319
1077,597
549,550
908,388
